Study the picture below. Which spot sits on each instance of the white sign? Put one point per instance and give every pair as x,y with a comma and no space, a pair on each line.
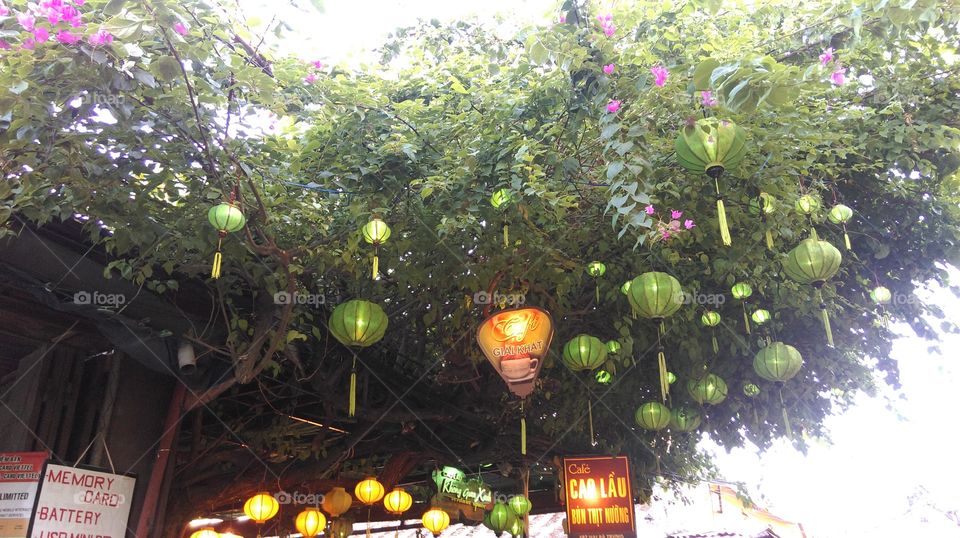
19,478
80,503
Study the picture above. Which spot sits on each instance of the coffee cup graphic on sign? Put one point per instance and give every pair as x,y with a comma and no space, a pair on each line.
518,368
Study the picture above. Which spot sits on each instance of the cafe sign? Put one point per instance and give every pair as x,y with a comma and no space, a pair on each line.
453,485
515,341
599,497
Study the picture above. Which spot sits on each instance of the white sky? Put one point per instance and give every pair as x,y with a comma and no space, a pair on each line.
884,449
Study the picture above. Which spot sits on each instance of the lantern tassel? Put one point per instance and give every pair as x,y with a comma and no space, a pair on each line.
746,318
593,439
716,345
846,238
664,382
786,418
376,265
598,293
352,411
217,259
825,316
523,436
506,236
769,235
722,217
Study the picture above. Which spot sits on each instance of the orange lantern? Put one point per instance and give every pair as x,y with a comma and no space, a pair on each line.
310,522
261,507
369,491
397,501
436,520
337,501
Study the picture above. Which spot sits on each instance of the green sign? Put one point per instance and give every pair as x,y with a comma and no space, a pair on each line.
453,485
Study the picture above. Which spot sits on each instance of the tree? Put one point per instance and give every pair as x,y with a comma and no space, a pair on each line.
139,137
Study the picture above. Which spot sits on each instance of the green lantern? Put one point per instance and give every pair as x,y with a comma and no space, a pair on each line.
596,270
764,204
500,199
741,291
604,377
881,295
520,505
777,362
613,346
711,319
516,528
684,419
760,316
709,389
357,323
652,416
671,378
226,218
341,527
375,232
501,516
807,204
657,295
711,145
625,288
813,262
751,390
584,352
841,214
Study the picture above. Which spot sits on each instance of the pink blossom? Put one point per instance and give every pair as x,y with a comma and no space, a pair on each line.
41,34
317,64
68,38
4,45
4,10
613,106
310,79
563,19
660,75
674,214
603,19
665,233
650,209
688,224
180,29
26,21
79,2
609,68
827,56
706,98
53,17
28,43
71,15
102,37
609,29
837,76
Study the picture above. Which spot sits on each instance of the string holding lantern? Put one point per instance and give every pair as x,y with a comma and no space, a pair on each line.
502,198
310,522
655,296
710,146
841,214
778,362
711,319
764,204
357,323
376,232
227,218
813,262
585,352
596,270
742,291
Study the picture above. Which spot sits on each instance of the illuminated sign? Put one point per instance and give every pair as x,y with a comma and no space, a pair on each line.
453,485
515,342
599,497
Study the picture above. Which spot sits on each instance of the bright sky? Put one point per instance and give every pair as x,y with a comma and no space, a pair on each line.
884,450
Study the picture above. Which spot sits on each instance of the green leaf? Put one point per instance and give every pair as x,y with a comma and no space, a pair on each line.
613,169
113,7
19,86
166,68
701,75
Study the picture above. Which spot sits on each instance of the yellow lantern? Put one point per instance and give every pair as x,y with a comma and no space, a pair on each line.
376,232
397,501
436,520
261,507
206,532
369,491
336,501
310,522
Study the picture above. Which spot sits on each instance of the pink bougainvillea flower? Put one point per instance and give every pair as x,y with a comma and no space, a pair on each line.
660,75
674,214
4,10
26,21
41,34
4,45
180,29
837,76
827,56
665,234
604,18
317,64
609,29
609,69
688,224
562,19
613,106
310,79
102,37
28,44
79,2
67,37
650,209
71,15
706,97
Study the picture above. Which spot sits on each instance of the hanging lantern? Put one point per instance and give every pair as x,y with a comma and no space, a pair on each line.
357,323
502,198
501,516
652,416
226,218
369,491
807,204
751,390
813,262
711,145
613,346
206,532
684,419
397,501
310,522
741,291
603,377
760,316
516,528
596,270
436,520
671,377
881,295
841,214
261,507
711,319
584,352
657,295
376,232
520,505
709,389
337,501
625,288
764,204
778,362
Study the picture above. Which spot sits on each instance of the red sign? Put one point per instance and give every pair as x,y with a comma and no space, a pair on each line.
19,478
599,497
515,342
